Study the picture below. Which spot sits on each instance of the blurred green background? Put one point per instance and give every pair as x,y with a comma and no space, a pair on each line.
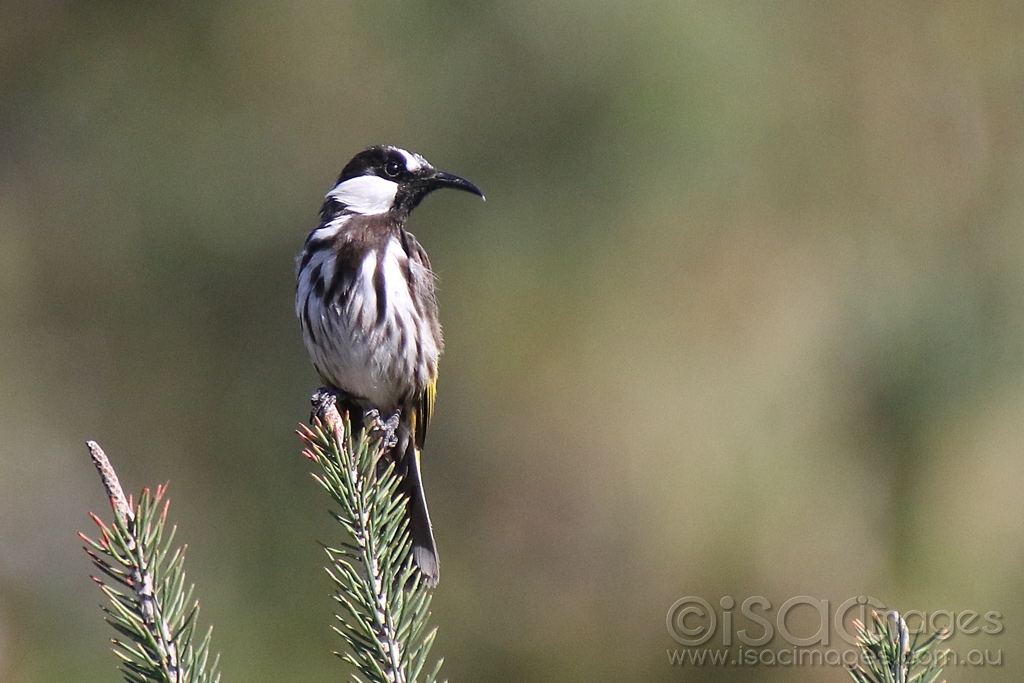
743,314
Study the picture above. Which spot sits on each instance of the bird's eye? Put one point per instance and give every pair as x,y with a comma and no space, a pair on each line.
392,169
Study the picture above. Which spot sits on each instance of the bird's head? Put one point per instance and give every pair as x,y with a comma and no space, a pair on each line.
385,179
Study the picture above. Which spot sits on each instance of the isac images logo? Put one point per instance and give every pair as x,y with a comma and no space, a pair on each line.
806,631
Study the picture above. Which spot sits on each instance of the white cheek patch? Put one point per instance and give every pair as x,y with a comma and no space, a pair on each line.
366,194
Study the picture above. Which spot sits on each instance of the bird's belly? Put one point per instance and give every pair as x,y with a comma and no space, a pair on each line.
387,363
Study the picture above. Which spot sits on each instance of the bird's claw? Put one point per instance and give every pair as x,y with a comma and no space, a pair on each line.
322,400
385,429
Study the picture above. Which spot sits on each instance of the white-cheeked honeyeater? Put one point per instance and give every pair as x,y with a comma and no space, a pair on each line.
365,301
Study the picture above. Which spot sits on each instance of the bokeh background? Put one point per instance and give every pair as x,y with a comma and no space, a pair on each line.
743,314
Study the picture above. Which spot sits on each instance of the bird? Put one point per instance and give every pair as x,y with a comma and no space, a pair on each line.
365,301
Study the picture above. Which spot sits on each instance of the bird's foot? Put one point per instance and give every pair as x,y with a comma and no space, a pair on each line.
385,429
322,400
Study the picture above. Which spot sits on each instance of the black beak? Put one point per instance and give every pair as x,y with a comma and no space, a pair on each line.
441,179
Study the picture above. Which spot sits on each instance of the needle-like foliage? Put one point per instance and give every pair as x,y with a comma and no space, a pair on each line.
890,655
384,603
151,607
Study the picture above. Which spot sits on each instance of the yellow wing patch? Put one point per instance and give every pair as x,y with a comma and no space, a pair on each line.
425,410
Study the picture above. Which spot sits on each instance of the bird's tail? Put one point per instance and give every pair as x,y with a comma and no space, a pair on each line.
407,464
424,550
